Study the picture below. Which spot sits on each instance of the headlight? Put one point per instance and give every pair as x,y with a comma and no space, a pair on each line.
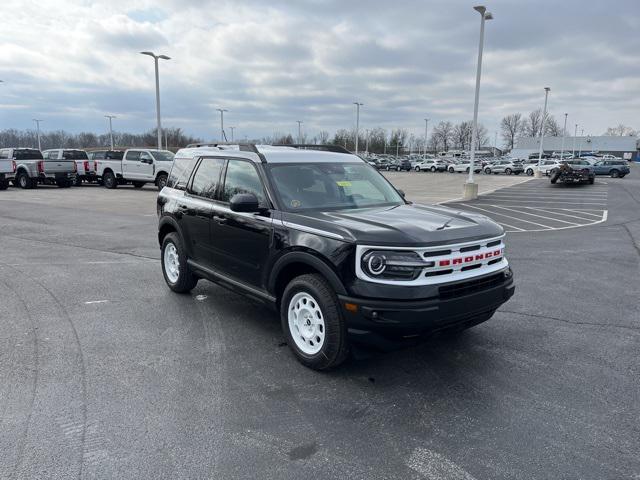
393,265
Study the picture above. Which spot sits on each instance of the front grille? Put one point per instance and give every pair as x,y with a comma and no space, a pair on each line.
471,286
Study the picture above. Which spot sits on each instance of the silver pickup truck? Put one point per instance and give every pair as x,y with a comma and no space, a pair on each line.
7,169
138,166
32,168
84,168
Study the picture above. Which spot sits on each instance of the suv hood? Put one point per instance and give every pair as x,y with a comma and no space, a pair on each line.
406,225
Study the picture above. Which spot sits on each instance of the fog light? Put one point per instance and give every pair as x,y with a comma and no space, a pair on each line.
508,273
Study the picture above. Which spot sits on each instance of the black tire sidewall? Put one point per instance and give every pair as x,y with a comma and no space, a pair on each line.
23,180
334,348
109,180
161,181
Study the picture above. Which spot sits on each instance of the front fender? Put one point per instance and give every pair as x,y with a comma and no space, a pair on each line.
311,260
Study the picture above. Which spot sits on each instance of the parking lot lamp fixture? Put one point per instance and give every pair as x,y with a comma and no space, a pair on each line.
38,131
564,134
299,122
575,134
222,110
471,188
426,128
542,125
358,105
110,117
159,125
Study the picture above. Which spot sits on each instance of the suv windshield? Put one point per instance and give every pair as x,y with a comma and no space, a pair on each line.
329,186
163,155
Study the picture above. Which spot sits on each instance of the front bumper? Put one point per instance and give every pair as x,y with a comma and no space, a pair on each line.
386,321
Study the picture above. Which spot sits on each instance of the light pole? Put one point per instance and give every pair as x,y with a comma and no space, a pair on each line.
542,125
232,136
358,105
159,126
110,117
366,148
222,110
575,134
470,188
38,130
299,122
580,144
426,128
564,134
495,144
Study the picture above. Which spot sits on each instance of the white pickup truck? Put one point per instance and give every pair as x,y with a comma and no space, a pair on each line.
138,166
7,169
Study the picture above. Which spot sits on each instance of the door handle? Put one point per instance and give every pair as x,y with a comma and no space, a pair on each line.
220,220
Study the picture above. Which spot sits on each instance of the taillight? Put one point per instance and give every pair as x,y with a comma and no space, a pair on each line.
41,166
13,162
86,166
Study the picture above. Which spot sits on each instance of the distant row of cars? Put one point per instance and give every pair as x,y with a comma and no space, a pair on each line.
28,167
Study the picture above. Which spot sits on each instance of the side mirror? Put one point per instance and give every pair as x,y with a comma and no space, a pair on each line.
401,192
244,202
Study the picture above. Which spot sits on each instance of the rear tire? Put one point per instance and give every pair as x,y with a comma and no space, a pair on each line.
310,312
614,173
433,169
592,181
417,169
398,169
24,182
487,171
109,180
554,174
451,170
508,171
78,181
529,171
4,184
174,265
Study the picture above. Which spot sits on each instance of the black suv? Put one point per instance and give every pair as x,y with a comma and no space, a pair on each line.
327,241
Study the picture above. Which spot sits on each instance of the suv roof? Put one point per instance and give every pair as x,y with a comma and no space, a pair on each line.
272,153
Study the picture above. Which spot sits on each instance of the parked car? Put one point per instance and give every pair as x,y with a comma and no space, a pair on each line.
613,168
573,171
353,261
399,165
84,168
537,155
32,169
7,169
138,166
507,167
464,166
431,164
383,164
608,156
96,156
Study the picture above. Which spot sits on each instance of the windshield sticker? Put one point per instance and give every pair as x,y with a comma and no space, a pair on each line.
295,204
344,184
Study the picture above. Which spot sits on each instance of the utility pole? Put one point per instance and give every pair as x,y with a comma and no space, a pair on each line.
542,125
471,188
426,128
222,136
110,117
564,134
575,134
495,144
159,125
358,105
366,149
300,122
38,130
232,136
580,144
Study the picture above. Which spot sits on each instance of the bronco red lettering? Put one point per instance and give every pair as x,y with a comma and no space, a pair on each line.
445,263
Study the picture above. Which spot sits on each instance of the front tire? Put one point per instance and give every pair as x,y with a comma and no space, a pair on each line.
312,322
451,170
529,171
398,169
174,265
615,173
487,171
433,169
508,171
417,169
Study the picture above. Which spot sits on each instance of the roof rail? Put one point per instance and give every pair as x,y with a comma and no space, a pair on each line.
310,146
243,147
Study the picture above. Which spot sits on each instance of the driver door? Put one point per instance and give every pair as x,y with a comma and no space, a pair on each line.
146,168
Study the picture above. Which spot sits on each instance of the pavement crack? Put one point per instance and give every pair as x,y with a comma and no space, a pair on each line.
572,322
633,240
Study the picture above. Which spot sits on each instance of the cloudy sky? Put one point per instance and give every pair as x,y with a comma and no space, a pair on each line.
273,62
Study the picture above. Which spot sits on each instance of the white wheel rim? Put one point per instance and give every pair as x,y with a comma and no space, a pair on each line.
171,263
306,323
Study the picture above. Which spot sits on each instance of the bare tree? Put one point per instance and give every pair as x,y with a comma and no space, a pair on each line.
482,136
511,128
533,123
552,128
620,131
461,135
442,134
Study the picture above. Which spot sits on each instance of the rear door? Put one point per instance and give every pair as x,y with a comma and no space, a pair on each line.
241,241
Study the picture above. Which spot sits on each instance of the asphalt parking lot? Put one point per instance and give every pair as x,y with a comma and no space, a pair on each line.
104,373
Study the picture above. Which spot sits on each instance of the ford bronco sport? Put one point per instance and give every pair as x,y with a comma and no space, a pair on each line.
322,237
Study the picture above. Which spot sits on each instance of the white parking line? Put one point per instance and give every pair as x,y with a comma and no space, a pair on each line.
586,213
517,229
549,210
556,202
536,215
508,216
95,301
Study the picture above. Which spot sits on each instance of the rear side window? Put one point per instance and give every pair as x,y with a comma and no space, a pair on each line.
207,178
74,155
27,154
180,172
98,155
4,154
242,177
133,155
113,155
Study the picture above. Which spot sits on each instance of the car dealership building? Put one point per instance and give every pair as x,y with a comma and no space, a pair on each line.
627,147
